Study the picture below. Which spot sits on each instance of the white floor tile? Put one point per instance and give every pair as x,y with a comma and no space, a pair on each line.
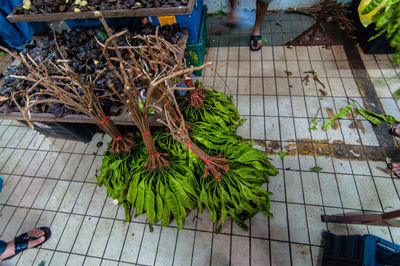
348,191
301,255
147,253
315,225
368,194
280,253
278,224
293,187
184,247
329,189
101,235
240,250
132,242
311,188
69,235
298,223
165,252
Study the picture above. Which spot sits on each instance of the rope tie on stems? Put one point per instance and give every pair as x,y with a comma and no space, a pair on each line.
119,138
154,155
145,142
105,120
206,161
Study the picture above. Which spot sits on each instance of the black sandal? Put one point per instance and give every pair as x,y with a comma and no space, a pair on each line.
254,41
21,242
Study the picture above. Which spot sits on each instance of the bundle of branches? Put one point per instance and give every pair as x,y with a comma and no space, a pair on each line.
146,75
53,81
336,12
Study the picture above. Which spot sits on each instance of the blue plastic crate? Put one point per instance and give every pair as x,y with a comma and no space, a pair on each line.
191,22
194,53
364,250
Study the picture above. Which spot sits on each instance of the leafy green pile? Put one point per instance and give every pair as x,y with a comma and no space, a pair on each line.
167,193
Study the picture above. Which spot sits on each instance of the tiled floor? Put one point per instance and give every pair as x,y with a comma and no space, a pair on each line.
52,181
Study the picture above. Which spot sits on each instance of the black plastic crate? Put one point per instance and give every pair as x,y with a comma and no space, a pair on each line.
69,131
359,250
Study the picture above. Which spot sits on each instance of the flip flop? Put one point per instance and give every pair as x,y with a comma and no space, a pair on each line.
228,25
21,242
254,41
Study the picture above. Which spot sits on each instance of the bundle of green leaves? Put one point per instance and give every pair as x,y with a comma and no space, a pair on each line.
167,193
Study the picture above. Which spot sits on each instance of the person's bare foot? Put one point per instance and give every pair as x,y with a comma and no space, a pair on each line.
395,130
36,233
228,24
395,168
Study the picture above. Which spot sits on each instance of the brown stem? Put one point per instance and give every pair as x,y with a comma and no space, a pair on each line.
156,159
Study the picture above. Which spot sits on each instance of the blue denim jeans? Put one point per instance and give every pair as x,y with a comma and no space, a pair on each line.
3,246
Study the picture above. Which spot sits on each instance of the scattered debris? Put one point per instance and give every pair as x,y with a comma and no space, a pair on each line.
316,77
278,23
265,40
55,198
313,123
42,263
289,46
275,11
99,144
316,169
306,79
324,93
282,154
339,153
316,141
355,154
288,73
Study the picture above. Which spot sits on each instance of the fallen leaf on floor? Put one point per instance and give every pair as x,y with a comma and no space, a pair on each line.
288,73
324,93
282,155
278,23
265,40
316,169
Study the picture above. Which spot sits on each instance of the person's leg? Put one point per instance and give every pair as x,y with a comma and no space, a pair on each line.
10,249
232,16
261,10
230,20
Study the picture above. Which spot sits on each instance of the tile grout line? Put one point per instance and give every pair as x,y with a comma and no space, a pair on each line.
56,211
284,175
298,163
